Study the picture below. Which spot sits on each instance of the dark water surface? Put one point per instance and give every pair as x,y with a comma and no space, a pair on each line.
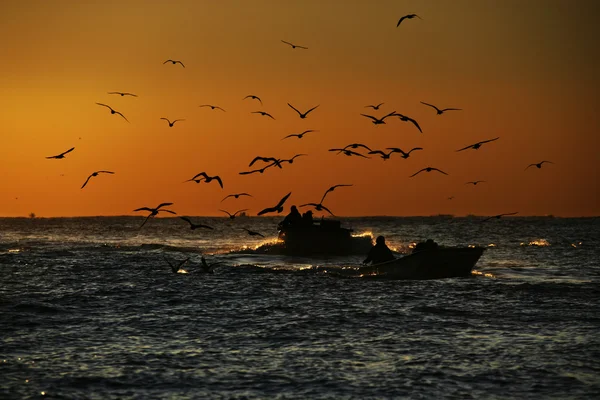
89,309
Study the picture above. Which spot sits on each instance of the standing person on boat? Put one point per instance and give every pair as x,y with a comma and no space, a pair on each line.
294,218
379,253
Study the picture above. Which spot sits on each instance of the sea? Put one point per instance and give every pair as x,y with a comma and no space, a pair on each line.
90,309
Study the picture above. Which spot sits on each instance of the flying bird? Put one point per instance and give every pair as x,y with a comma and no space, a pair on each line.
289,160
232,216
123,94
172,123
349,152
264,114
95,174
318,207
499,216
236,195
299,135
474,183
194,226
379,121
261,170
154,211
264,159
374,107
62,155
113,111
278,208
174,62
478,144
384,156
408,119
202,176
404,154
440,112
251,96
177,268
539,165
253,233
331,189
356,146
409,16
428,169
295,45
208,268
301,114
212,107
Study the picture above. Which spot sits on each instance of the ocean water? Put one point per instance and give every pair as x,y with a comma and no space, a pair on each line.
89,309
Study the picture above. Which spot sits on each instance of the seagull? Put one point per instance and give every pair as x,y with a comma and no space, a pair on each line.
236,195
212,107
232,216
318,207
264,159
295,45
404,154
374,107
428,169
299,135
177,268
172,123
113,111
379,121
62,155
409,16
349,152
440,112
154,211
195,226
96,174
289,160
174,62
208,268
278,208
539,165
253,233
478,144
384,156
264,114
261,170
331,189
407,119
474,183
356,146
251,96
205,178
123,94
302,115
499,216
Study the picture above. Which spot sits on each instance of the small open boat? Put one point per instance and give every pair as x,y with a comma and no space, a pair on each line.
441,262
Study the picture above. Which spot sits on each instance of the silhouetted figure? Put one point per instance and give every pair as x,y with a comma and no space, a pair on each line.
441,111
378,121
302,115
174,62
407,119
404,154
428,169
277,208
307,218
375,107
62,155
95,174
294,46
429,244
409,16
478,144
294,218
113,111
379,253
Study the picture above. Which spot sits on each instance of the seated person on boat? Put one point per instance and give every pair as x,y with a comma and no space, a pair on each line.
292,219
427,245
379,253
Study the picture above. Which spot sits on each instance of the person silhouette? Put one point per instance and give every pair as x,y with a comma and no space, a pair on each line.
379,253
294,218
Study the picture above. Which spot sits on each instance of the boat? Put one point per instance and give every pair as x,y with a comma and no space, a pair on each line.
324,237
430,263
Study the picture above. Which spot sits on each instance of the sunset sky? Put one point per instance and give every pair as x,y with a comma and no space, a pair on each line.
524,71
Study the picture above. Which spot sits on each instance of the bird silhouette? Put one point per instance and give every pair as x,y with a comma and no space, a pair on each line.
202,176
440,112
253,233
154,211
264,159
349,152
251,96
379,121
299,135
177,268
384,156
294,46
356,146
172,123
260,170
408,16
290,160
236,195
278,208
318,207
428,169
539,165
113,111
474,183
302,115
174,62
123,94
331,189
499,216
374,107
263,113
404,154
408,119
208,268
194,226
477,145
232,216
451,197
62,155
212,107
95,174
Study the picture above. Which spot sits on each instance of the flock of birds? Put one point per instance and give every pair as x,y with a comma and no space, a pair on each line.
352,149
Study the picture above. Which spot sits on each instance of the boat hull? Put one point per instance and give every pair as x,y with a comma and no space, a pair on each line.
445,262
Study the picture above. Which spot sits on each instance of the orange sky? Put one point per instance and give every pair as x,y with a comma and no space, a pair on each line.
525,71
